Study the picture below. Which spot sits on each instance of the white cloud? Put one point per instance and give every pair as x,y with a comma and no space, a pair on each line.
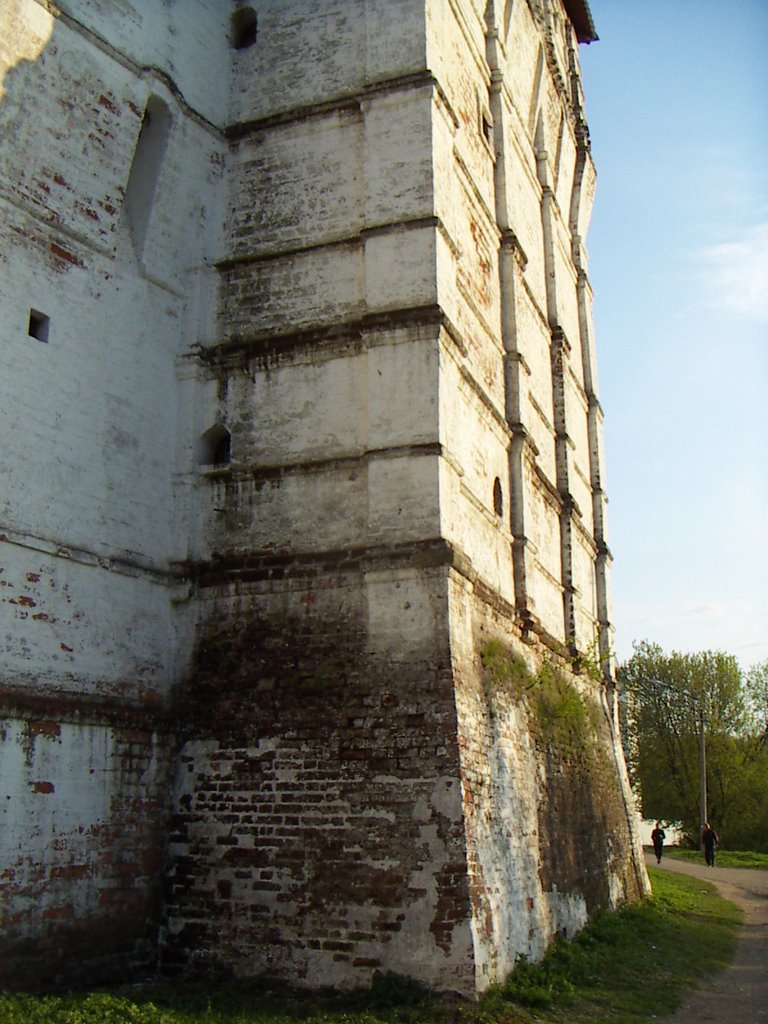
735,274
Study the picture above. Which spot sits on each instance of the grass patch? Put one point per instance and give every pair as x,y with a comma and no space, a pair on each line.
562,713
506,671
393,1000
629,966
624,968
724,858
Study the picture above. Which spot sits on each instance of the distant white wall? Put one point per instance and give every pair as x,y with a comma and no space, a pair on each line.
673,833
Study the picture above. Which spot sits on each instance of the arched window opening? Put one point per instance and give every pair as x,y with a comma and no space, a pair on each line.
145,169
540,146
216,446
243,28
498,497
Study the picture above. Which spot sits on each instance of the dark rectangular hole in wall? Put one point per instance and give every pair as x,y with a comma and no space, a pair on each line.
38,325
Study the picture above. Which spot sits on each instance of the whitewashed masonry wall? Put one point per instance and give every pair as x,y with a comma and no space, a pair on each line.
299,373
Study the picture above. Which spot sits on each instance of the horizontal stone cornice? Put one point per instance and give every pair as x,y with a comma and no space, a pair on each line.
309,568
593,401
255,566
347,103
268,347
546,487
475,195
287,253
52,707
124,564
236,473
486,401
570,505
346,241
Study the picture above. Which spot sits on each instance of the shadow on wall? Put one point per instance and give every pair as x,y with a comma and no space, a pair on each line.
30,40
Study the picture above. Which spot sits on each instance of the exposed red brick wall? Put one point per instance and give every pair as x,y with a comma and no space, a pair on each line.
309,836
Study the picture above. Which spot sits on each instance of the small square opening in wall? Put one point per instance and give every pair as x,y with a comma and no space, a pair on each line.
38,325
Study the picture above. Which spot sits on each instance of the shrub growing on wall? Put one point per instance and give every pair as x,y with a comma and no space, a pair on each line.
559,717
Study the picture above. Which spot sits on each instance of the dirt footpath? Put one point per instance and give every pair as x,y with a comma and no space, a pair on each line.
739,994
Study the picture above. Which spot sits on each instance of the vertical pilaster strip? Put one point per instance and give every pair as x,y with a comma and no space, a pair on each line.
560,351
512,264
579,215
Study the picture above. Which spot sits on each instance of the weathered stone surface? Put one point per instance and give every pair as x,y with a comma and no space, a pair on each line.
300,414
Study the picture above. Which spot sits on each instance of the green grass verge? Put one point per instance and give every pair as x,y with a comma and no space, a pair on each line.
624,968
634,965
723,859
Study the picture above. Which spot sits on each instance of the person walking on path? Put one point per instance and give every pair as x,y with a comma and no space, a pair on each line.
709,840
657,838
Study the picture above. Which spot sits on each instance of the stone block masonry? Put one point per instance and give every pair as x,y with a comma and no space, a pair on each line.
301,422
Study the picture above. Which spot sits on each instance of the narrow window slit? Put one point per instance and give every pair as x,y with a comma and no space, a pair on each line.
487,129
498,497
216,446
145,169
39,324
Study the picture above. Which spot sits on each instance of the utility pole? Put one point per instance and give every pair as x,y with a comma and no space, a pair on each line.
702,768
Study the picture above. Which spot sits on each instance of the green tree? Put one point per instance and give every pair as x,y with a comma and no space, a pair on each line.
757,693
666,696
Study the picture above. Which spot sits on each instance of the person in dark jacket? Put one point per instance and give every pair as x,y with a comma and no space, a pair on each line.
709,840
657,838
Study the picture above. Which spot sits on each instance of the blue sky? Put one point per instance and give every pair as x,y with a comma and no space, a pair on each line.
677,104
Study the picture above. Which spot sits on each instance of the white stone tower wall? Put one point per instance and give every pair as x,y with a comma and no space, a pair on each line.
313,416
